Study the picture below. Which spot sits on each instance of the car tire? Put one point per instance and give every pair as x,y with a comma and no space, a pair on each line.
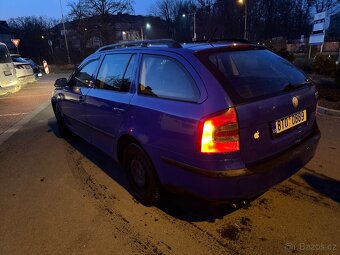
61,124
141,175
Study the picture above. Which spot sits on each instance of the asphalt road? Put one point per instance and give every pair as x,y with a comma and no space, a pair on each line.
66,197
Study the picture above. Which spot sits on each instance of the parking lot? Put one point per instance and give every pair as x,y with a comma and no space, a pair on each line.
66,197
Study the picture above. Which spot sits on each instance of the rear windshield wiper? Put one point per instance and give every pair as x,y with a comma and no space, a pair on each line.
291,86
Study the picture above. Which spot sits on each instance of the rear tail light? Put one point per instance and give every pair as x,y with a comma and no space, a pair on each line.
220,133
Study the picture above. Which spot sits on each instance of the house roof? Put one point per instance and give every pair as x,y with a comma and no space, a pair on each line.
4,28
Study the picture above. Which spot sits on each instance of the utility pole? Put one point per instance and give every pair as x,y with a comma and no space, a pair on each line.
62,20
194,28
244,2
245,19
141,33
195,38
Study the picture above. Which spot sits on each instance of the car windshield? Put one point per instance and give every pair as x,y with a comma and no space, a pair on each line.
253,73
4,55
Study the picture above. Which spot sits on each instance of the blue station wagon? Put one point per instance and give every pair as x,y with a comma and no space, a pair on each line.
222,120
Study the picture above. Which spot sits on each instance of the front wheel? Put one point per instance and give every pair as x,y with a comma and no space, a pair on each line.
141,175
60,121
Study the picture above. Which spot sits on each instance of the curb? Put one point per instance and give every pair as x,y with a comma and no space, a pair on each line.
326,111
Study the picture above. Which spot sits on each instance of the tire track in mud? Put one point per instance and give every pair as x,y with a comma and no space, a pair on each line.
261,222
297,189
190,238
155,231
105,201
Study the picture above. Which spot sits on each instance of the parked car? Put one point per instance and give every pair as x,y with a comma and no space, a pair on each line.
23,69
8,79
36,69
223,121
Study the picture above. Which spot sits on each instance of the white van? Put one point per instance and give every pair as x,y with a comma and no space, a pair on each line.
8,79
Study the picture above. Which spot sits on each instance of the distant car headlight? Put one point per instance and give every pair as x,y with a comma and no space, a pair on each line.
337,62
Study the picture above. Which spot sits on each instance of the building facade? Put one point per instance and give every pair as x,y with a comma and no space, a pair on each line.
86,35
6,34
334,26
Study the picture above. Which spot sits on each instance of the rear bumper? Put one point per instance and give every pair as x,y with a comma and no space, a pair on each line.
10,88
244,183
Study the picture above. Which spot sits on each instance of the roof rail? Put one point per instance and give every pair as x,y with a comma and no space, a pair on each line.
236,40
144,43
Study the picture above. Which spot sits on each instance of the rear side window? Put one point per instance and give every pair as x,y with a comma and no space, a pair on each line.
116,72
252,73
4,55
165,77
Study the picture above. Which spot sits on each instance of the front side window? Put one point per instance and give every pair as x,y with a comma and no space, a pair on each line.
165,77
84,76
116,72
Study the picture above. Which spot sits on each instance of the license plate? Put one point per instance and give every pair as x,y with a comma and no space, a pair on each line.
289,122
7,73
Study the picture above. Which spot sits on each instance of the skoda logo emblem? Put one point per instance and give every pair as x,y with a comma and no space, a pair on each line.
295,102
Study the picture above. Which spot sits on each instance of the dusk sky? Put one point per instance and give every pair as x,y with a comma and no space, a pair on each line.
50,8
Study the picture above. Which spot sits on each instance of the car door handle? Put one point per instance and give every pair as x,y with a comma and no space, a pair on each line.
117,109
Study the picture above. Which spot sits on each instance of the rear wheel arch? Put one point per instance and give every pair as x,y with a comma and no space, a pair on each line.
141,174
123,141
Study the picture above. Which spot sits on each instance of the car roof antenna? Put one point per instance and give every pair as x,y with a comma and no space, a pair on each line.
212,36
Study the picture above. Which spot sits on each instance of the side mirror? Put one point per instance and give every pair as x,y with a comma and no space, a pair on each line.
60,83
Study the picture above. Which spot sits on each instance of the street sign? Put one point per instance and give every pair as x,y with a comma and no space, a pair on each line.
319,25
320,15
318,35
316,39
15,42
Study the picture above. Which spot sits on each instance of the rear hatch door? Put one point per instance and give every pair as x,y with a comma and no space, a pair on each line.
275,102
272,125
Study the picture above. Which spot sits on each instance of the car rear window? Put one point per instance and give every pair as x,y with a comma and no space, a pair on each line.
4,55
251,74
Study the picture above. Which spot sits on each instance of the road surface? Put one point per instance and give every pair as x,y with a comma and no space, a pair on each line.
66,197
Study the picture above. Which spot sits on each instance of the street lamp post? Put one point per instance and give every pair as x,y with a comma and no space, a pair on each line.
244,2
49,42
194,15
147,27
62,20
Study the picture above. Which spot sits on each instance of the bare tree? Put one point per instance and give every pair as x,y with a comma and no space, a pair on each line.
171,11
101,11
33,32
77,10
164,9
324,5
105,7
78,13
